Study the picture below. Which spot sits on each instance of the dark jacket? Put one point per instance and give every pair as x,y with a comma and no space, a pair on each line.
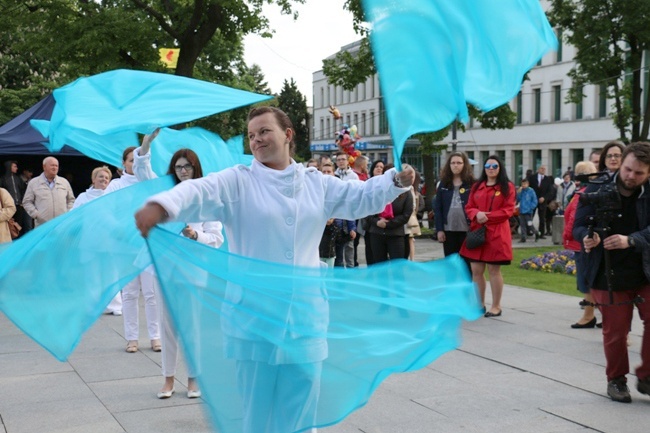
327,247
402,210
546,189
641,237
442,203
14,184
344,227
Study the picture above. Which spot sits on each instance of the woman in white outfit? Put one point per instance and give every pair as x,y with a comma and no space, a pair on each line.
184,165
100,177
143,282
275,210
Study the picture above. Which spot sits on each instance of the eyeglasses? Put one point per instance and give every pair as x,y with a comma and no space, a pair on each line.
614,155
186,167
491,166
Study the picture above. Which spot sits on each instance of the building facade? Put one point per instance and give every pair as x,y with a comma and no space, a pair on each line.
549,131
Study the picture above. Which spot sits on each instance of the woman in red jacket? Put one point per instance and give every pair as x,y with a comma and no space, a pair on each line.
491,203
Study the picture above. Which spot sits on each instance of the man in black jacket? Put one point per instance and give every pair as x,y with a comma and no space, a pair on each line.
13,183
544,188
628,246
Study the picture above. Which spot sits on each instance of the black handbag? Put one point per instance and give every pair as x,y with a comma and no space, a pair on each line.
475,238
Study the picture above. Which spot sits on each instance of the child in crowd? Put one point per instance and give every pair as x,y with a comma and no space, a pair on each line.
526,202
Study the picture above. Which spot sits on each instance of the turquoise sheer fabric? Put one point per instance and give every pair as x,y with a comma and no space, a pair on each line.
363,324
114,105
214,153
434,56
56,280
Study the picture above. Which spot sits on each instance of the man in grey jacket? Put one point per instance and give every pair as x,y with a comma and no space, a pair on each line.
48,195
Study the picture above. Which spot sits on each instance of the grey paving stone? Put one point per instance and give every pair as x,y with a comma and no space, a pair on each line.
23,390
30,363
189,419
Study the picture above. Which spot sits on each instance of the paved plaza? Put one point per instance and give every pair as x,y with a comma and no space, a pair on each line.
526,371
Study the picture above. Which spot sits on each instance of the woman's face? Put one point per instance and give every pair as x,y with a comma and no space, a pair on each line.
183,169
269,142
378,170
492,168
128,163
101,180
456,164
613,158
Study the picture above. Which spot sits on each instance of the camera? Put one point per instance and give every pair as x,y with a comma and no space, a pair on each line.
607,199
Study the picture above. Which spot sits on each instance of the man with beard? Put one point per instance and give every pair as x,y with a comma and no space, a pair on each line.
628,244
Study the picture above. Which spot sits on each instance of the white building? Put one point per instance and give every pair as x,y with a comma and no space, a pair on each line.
548,130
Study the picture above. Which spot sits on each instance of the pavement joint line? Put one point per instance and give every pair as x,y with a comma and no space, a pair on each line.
493,360
571,421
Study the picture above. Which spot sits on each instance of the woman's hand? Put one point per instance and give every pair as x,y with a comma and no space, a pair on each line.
482,217
329,222
189,232
148,216
441,236
146,141
382,223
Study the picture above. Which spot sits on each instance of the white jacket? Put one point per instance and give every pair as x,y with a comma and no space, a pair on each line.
91,194
276,216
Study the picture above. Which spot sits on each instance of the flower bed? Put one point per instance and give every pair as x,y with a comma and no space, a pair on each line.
561,262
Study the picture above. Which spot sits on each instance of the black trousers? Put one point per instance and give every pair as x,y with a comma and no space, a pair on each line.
386,247
541,209
452,244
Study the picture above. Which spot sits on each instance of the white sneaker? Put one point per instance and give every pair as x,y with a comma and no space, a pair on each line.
117,313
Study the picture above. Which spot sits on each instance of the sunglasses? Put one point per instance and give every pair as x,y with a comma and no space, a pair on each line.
491,166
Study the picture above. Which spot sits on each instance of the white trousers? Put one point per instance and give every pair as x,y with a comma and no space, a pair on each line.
278,398
130,310
115,304
168,338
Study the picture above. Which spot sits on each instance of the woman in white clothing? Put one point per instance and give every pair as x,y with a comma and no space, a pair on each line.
100,177
184,165
294,204
143,282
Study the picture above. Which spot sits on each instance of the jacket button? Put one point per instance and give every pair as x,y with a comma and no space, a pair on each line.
289,255
288,179
289,221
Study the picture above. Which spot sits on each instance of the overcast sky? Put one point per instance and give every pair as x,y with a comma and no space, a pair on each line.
298,47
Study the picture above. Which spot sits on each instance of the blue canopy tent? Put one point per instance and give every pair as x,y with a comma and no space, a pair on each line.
17,137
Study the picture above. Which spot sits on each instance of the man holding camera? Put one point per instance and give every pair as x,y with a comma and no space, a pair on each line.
628,246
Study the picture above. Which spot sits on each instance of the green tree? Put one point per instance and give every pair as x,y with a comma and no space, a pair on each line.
610,37
48,43
294,103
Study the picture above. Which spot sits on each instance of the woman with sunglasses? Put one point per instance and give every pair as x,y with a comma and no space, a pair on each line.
491,203
184,165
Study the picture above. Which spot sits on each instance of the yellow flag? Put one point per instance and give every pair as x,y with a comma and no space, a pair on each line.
169,56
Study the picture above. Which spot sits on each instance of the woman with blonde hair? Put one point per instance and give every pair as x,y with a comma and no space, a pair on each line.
588,319
100,178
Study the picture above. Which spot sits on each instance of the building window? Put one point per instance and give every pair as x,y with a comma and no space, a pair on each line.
558,54
383,118
535,159
602,101
556,163
356,93
322,97
557,103
579,106
470,154
321,133
340,98
372,123
356,121
519,108
372,86
328,130
347,119
363,90
577,155
537,105
502,155
518,157
363,124
327,102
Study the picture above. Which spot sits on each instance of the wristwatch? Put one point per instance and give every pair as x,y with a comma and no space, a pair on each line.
630,242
